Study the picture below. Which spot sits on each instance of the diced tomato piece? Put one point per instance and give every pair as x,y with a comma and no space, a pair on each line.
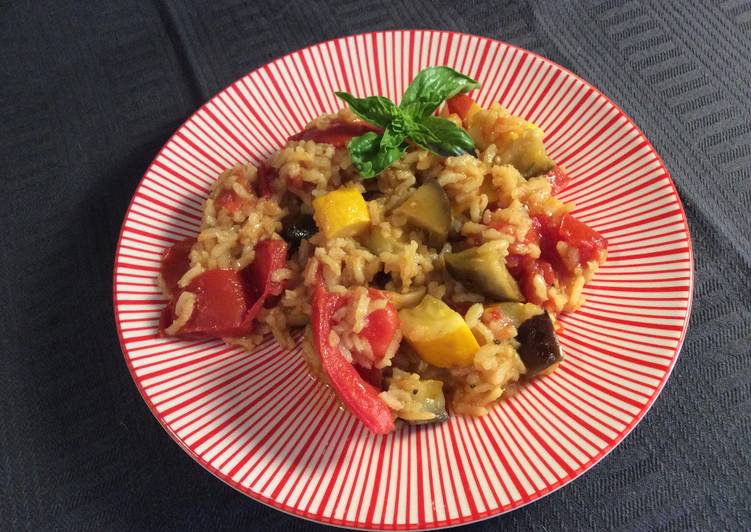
545,269
460,105
577,234
229,201
558,179
360,397
337,134
175,262
220,305
381,326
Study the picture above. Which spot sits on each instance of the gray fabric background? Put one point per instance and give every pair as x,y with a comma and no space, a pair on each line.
89,91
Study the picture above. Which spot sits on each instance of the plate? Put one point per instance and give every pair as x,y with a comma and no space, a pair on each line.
258,421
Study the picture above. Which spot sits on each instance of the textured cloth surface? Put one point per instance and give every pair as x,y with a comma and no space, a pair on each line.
90,91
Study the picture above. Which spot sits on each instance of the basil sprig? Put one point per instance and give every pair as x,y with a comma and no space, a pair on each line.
412,120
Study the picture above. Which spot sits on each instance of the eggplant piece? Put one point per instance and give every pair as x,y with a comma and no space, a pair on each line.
298,227
423,400
483,270
378,241
371,189
428,209
538,348
519,143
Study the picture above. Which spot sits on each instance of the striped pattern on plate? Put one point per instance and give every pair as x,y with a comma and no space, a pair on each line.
259,423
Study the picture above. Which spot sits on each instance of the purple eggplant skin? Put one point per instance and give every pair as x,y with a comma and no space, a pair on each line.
538,344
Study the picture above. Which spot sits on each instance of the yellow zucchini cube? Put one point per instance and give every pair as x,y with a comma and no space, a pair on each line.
341,213
438,333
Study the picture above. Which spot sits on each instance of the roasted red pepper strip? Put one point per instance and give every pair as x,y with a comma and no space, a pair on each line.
175,262
558,179
220,306
357,395
228,301
271,255
337,134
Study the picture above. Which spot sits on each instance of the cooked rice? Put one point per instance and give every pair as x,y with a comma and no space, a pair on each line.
492,203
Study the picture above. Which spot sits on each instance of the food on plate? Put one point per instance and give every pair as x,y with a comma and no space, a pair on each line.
418,250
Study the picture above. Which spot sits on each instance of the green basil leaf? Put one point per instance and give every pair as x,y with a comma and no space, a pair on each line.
368,157
431,87
442,136
392,138
374,109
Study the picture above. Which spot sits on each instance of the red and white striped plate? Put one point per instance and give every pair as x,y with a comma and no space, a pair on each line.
259,423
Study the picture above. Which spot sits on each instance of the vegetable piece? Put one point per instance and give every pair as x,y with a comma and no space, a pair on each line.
516,313
379,241
270,256
406,300
463,106
372,375
589,242
296,228
428,208
483,270
439,334
539,348
357,395
229,201
338,134
519,143
342,213
381,327
558,179
175,262
220,306
423,400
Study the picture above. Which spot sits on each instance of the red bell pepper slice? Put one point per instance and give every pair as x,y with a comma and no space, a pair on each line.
337,134
460,105
358,396
228,301
271,255
220,306
175,262
558,179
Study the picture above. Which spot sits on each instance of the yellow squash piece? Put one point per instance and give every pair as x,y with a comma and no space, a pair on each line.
341,213
439,334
